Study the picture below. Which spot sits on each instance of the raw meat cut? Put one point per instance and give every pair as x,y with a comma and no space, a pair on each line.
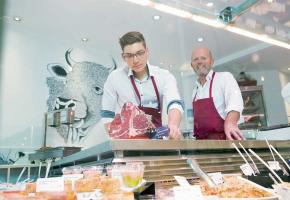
131,122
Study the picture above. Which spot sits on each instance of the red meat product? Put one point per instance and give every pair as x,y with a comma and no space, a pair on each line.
131,122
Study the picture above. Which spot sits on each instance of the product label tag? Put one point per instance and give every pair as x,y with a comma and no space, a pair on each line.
216,177
247,169
274,165
55,184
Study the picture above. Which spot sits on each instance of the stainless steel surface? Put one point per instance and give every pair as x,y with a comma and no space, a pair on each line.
8,173
190,144
52,153
164,159
161,147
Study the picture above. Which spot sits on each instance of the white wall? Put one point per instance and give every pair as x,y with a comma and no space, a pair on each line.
23,89
186,81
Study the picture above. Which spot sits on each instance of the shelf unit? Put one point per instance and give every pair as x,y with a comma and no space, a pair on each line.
254,112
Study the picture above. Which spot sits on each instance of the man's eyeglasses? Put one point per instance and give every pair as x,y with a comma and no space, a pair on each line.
130,56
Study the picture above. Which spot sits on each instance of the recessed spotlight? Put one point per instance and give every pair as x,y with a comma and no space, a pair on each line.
156,17
84,39
262,78
255,57
200,39
288,68
209,4
17,18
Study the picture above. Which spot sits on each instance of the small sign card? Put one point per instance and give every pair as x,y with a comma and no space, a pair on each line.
192,191
72,177
274,165
55,184
182,181
89,195
247,169
216,177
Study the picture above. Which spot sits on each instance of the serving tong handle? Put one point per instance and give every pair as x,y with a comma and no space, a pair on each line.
199,172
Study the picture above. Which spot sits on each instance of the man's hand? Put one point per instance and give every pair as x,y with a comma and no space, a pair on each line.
233,132
231,126
174,132
174,118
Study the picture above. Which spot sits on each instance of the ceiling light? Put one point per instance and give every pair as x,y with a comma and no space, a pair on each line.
84,39
17,18
141,2
255,58
156,17
262,78
289,68
210,22
172,10
256,36
209,4
200,39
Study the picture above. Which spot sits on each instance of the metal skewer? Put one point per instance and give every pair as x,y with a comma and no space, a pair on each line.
271,176
270,149
234,145
20,175
262,161
254,164
284,161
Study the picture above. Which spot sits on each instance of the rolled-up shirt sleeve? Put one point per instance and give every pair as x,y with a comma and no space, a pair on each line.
233,96
171,94
109,100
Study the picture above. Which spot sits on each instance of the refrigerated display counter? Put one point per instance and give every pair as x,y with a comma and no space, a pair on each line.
164,159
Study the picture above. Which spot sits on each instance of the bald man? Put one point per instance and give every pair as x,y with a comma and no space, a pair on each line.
217,101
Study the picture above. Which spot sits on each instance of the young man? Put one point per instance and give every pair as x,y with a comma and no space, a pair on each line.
217,100
143,84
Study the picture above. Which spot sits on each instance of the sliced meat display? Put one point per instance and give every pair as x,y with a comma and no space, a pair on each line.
131,122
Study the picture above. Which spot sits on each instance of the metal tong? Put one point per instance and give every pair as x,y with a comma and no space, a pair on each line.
199,172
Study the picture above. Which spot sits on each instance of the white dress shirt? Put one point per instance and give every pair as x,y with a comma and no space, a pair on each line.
118,90
225,92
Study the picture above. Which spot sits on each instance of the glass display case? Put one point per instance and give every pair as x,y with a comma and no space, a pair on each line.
254,112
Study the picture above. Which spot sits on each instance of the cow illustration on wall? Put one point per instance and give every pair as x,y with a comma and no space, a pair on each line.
78,85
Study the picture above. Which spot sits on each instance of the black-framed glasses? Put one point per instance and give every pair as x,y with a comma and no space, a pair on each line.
130,56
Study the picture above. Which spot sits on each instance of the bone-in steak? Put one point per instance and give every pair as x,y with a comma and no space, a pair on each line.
131,122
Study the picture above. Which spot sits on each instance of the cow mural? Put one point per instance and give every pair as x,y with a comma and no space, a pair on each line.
78,85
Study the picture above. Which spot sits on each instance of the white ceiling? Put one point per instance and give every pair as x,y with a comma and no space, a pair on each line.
170,40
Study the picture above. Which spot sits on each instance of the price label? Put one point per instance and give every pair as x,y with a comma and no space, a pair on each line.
72,177
216,177
116,173
247,169
182,181
181,193
274,165
89,195
55,184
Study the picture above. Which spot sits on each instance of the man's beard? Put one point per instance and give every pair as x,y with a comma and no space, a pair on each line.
202,70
